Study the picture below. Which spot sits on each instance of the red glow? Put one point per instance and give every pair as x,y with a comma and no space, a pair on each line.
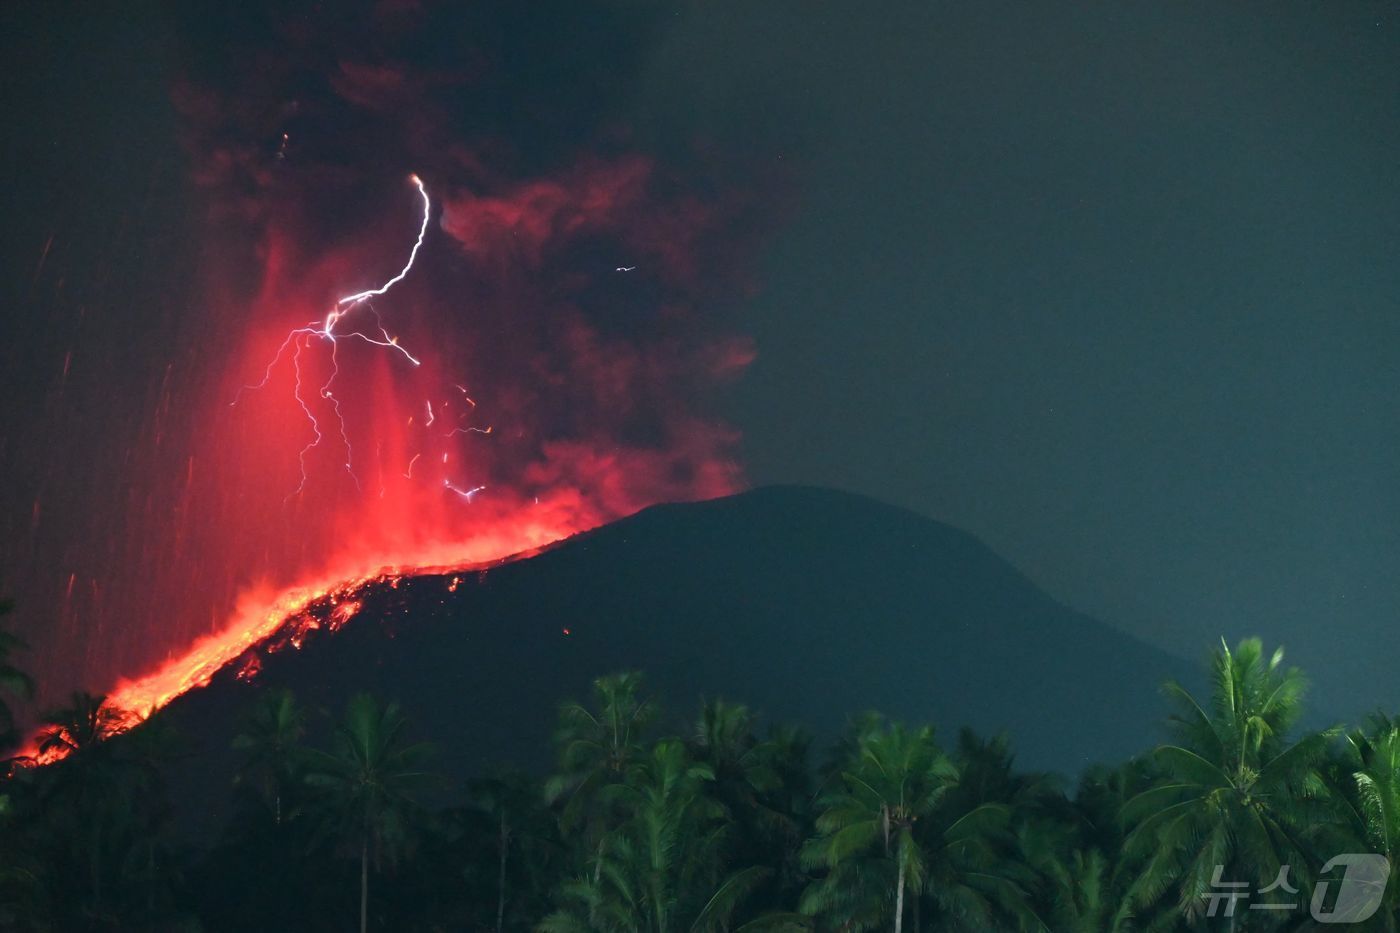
544,396
262,615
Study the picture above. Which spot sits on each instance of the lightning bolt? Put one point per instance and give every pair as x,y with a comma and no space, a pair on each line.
422,232
299,339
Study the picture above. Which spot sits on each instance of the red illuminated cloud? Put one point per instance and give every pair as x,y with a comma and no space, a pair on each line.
595,383
518,223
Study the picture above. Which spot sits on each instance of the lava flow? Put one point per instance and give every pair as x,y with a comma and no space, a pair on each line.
264,617
493,387
396,521
521,342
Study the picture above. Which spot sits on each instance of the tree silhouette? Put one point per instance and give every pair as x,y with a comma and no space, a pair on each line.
368,781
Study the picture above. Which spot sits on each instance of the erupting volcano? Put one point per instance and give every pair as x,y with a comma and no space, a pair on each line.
263,618
387,484
369,373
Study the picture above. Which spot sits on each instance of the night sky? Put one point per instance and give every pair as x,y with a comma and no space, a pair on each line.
1114,287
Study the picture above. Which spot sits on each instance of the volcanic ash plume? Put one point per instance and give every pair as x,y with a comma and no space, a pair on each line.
346,398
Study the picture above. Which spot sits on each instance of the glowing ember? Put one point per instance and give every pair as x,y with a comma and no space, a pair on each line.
343,613
260,619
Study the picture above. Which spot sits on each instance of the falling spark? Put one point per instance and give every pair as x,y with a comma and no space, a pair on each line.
465,494
43,257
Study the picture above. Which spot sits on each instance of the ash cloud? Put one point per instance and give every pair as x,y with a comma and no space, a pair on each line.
555,392
573,393
301,124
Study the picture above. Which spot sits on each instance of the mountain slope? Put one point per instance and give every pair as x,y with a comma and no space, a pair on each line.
809,605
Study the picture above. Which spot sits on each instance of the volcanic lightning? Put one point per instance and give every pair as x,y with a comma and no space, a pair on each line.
250,573
422,232
325,330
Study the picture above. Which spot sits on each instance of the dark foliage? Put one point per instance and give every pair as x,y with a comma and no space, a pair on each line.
704,823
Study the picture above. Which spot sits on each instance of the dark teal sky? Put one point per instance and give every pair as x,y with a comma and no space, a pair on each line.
1115,286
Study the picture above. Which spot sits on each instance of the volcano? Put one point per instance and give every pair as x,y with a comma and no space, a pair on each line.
807,604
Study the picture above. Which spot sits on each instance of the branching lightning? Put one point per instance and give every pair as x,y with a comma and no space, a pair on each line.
327,330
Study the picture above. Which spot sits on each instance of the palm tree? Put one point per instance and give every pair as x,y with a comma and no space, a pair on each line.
146,865
26,886
1367,783
724,739
599,746
81,726
1077,852
515,807
894,778
765,788
368,781
1238,795
986,774
745,771
1078,884
976,876
662,869
104,800
13,681
271,740
794,801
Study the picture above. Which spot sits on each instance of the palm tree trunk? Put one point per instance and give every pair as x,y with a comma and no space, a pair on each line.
899,901
364,884
150,876
501,878
96,864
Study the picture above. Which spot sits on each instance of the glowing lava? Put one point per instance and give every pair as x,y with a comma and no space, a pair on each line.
263,616
578,411
275,621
